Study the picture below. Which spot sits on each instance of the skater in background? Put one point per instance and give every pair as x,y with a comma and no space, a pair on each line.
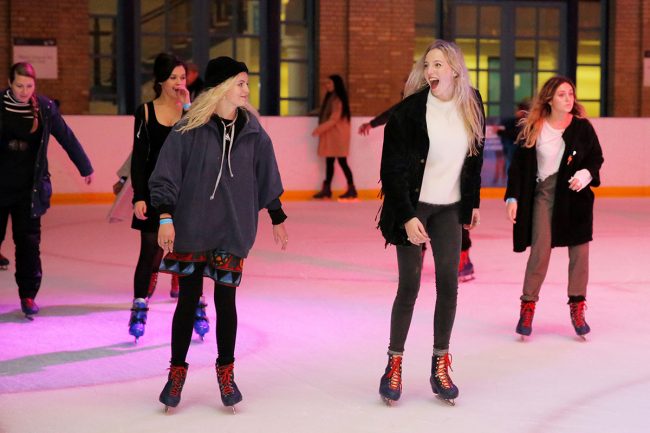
153,121
509,131
333,132
215,173
465,265
431,180
27,121
549,198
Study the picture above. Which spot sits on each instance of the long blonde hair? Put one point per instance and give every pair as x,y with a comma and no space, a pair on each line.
541,109
205,105
466,102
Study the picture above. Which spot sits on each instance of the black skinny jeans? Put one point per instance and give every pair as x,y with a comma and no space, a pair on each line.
148,263
329,169
191,288
27,237
441,223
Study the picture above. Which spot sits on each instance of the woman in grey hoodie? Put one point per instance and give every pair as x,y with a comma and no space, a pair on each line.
215,172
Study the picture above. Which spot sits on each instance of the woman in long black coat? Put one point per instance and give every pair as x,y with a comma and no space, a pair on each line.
431,180
549,198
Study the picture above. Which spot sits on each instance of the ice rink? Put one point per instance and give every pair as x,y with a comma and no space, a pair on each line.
313,333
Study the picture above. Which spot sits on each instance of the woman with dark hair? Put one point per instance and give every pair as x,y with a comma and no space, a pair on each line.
431,180
333,132
215,173
549,198
153,121
26,122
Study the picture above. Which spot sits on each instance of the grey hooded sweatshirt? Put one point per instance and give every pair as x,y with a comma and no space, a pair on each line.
183,184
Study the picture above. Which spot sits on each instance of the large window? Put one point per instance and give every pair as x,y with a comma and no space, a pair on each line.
276,47
589,63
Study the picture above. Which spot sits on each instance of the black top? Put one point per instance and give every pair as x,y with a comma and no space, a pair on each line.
150,136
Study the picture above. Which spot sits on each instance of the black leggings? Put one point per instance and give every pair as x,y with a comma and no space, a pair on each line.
329,169
191,288
148,263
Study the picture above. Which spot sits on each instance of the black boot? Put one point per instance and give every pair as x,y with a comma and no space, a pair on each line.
350,194
171,393
326,192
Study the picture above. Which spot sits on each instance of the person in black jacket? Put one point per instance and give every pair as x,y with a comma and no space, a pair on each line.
549,198
431,179
26,122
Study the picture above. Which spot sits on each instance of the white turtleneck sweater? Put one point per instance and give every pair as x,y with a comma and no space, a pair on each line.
448,147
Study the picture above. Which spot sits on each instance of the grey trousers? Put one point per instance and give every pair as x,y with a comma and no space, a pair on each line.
540,250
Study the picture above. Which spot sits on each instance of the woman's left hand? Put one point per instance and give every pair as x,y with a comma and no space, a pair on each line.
88,179
280,235
476,220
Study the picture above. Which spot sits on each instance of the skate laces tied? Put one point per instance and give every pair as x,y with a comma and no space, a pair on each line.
578,313
395,373
225,376
177,378
441,371
528,310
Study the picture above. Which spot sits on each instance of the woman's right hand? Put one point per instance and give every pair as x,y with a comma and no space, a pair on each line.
140,209
511,211
415,231
166,235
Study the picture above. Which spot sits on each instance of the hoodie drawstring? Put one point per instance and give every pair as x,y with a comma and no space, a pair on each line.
227,139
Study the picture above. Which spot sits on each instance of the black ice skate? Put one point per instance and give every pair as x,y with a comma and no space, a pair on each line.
390,385
441,383
29,308
230,394
526,314
171,393
577,310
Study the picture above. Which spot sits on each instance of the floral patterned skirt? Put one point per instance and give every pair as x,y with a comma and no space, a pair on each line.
224,268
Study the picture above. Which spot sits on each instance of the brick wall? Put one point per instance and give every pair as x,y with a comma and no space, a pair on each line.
67,22
370,44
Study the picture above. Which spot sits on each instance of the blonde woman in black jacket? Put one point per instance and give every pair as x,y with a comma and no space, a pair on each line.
430,174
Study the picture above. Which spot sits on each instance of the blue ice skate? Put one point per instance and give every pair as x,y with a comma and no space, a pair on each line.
390,385
138,318
441,383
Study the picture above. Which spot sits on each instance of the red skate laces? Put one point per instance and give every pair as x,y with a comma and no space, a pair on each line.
225,376
177,377
578,313
395,372
527,312
443,363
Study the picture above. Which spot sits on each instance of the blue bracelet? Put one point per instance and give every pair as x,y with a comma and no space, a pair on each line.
166,221
511,200
187,106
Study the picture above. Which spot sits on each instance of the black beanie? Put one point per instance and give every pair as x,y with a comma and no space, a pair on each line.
222,68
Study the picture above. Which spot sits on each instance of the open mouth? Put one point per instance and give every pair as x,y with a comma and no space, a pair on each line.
433,83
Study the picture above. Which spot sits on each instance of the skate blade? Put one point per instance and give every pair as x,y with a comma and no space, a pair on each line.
523,338
29,317
450,402
166,409
582,338
466,279
387,401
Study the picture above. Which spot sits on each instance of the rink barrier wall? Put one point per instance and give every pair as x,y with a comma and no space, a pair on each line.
108,140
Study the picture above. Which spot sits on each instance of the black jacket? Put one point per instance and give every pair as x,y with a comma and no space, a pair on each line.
404,155
53,124
573,212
